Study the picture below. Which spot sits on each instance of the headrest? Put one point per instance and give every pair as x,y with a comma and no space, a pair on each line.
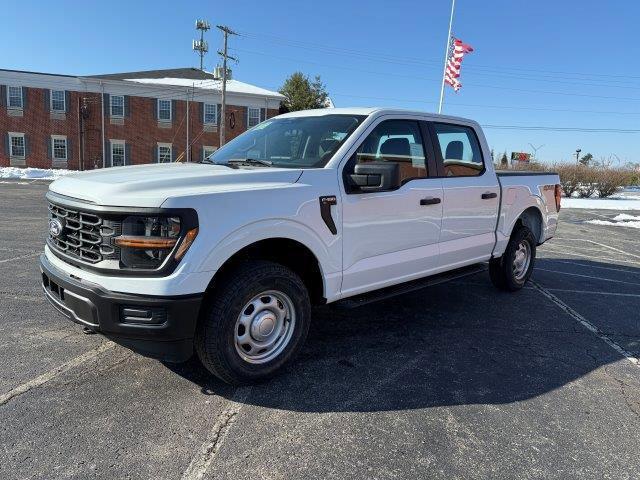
454,150
396,146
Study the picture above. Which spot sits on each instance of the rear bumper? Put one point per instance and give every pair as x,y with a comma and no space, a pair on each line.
158,327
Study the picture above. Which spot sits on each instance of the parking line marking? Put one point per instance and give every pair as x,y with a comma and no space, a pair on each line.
586,276
200,463
51,374
585,323
20,257
603,245
594,266
593,292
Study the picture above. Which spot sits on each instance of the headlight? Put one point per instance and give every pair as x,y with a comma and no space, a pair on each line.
147,241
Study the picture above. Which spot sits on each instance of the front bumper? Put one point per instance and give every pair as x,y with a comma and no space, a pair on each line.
158,327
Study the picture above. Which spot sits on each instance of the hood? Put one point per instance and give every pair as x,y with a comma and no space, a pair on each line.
151,185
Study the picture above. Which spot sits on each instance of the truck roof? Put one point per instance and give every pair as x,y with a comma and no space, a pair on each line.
370,111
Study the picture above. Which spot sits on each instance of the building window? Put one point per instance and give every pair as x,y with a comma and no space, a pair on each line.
164,152
117,105
118,158
58,102
17,145
210,113
59,147
208,151
164,110
14,95
254,117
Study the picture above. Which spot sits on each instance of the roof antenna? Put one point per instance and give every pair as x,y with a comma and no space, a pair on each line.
201,46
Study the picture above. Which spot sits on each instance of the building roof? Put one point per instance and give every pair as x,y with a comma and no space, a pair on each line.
188,77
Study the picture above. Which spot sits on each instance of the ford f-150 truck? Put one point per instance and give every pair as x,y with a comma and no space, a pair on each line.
225,258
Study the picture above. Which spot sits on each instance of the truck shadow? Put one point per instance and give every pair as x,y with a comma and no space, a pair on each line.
458,343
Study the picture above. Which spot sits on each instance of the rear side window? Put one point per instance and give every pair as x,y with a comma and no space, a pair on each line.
396,141
460,150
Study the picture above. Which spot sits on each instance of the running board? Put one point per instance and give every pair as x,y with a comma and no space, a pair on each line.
408,287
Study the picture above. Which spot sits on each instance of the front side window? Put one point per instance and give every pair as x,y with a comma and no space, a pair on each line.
398,141
59,149
17,145
254,117
461,154
117,154
164,110
164,153
210,113
296,142
117,105
58,103
14,95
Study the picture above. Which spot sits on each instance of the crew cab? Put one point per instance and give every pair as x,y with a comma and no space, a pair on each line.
224,258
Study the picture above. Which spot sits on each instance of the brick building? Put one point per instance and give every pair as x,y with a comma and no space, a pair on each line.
64,121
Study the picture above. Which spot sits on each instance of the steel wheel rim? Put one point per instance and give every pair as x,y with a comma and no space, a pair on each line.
264,327
521,260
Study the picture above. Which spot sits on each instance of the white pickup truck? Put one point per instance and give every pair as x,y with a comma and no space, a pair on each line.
226,257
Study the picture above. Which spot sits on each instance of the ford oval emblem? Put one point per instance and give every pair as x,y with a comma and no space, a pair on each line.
55,227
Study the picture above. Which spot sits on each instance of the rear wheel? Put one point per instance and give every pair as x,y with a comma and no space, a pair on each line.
511,271
256,322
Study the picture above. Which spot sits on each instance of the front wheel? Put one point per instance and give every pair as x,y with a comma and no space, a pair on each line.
256,322
511,271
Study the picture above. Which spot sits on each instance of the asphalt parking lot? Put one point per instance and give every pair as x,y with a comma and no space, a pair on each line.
455,381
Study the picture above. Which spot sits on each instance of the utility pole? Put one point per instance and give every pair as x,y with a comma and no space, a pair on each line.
201,46
223,119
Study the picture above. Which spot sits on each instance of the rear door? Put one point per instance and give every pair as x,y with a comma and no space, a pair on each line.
471,195
392,236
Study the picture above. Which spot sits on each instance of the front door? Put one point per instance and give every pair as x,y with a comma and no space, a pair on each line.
392,236
471,196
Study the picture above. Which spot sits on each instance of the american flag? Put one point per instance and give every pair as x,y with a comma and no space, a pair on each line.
452,72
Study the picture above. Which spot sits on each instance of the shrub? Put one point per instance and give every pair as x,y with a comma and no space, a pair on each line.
610,180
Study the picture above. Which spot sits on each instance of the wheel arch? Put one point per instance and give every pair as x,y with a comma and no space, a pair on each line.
531,218
291,253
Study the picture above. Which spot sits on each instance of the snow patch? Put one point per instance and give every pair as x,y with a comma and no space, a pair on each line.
602,203
635,224
33,173
233,86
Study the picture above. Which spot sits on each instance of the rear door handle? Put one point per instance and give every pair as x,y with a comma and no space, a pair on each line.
487,196
429,201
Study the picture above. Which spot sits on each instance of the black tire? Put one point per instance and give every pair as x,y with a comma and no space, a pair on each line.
501,269
215,339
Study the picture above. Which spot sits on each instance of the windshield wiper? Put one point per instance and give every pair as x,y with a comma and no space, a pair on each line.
249,161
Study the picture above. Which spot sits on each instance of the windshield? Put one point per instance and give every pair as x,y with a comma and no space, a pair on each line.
297,142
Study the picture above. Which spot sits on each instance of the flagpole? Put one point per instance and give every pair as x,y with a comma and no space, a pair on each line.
446,56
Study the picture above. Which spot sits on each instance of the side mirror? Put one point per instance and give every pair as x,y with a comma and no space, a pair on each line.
376,176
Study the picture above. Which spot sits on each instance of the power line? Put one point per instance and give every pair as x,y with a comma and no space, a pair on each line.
393,58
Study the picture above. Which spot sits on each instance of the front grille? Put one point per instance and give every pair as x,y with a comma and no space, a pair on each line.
84,236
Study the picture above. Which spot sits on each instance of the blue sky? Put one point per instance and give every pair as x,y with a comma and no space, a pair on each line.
566,63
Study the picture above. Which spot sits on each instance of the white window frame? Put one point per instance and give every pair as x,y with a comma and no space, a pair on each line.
208,147
252,110
122,144
204,119
164,145
118,115
14,107
64,101
24,145
53,149
170,110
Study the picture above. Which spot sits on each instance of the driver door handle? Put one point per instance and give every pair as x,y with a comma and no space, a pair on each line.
488,195
429,201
